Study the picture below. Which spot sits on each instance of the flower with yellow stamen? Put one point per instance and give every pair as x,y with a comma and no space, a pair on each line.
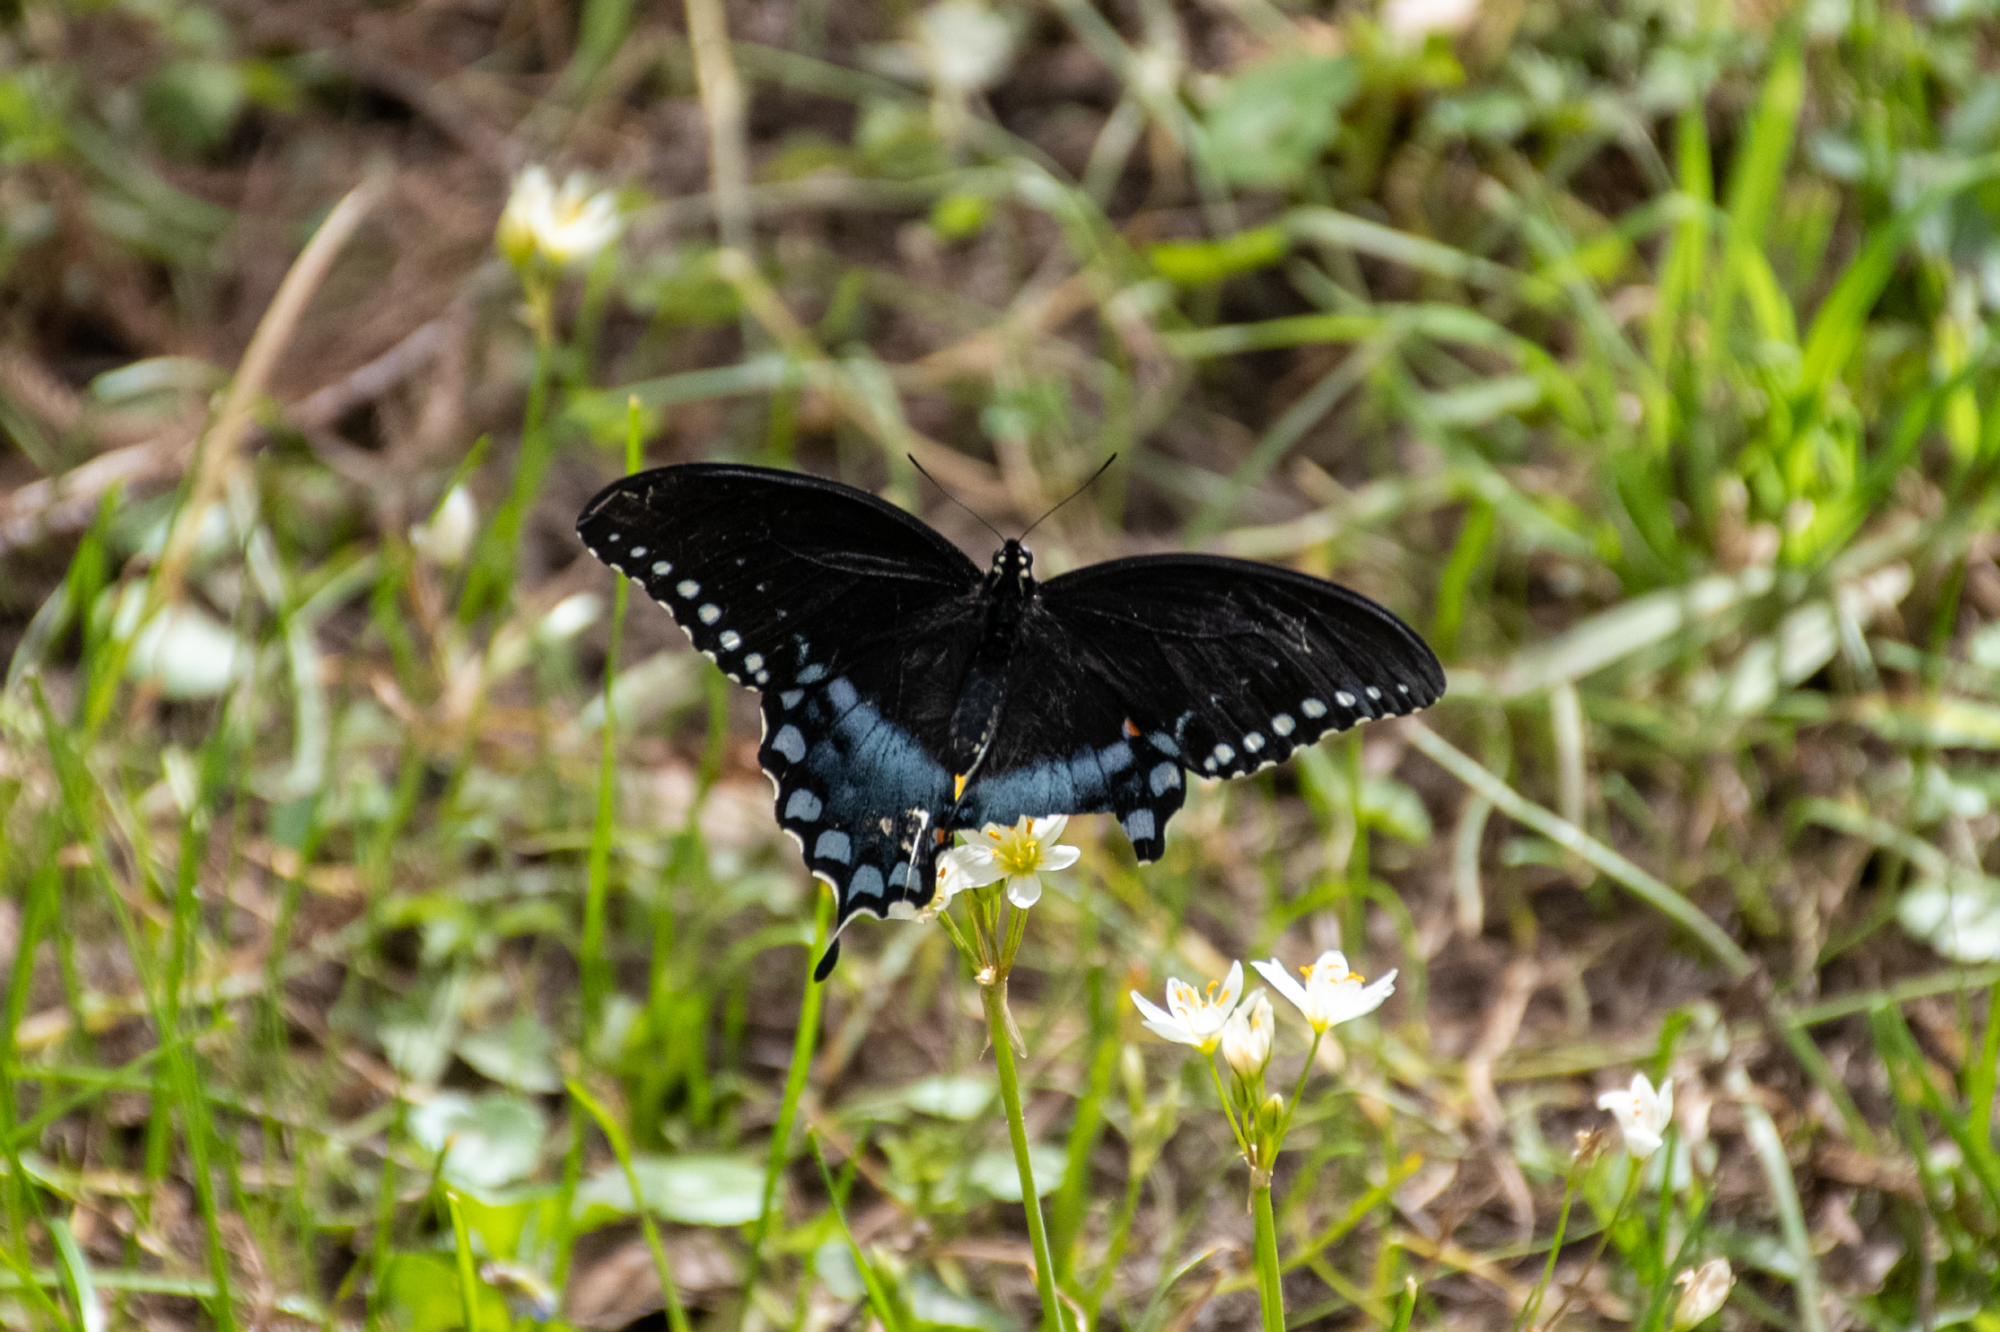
1020,854
1642,1114
1191,1017
1332,994
564,225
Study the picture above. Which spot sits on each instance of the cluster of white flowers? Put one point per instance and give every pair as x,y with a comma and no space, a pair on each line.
1332,994
563,226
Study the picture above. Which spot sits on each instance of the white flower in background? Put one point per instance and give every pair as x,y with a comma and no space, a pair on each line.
1192,1017
1246,1036
964,46
1411,21
1961,919
447,538
570,617
1331,994
1020,855
1642,1114
1705,1288
564,226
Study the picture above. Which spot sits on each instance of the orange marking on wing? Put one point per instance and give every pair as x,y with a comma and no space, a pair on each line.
1130,729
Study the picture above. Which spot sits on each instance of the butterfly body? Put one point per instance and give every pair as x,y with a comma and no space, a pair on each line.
908,695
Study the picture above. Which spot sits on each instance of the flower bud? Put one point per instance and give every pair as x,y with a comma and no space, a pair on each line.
1704,1290
447,538
1246,1037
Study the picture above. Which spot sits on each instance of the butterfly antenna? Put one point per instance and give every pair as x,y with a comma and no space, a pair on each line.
948,495
1072,495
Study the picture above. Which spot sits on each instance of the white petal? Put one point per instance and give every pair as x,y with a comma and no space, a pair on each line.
1273,971
1152,1011
976,866
1372,997
1232,987
1060,857
1024,890
1641,1142
1173,1031
1049,829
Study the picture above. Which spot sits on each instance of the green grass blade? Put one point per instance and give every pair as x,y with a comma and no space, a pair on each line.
677,1318
886,1308
1572,838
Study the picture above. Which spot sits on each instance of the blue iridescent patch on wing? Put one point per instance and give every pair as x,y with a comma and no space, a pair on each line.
1131,778
853,788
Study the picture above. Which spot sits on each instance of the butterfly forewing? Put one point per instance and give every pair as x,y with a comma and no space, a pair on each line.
855,621
1221,666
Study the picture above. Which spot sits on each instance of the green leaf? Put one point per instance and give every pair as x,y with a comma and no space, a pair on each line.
492,1140
1275,118
520,1055
1198,263
693,1190
420,1294
1393,808
935,1306
1000,1177
193,104
961,216
950,1097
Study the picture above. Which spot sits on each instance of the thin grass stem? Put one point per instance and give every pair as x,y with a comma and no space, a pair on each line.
804,1041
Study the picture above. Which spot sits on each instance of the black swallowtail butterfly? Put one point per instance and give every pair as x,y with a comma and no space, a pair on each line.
908,695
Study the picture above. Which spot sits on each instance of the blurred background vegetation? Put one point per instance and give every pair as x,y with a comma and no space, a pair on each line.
1638,353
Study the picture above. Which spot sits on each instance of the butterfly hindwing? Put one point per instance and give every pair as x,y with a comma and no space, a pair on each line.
855,788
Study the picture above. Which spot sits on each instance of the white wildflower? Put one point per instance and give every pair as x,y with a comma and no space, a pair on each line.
1642,1114
963,45
1020,855
1411,21
1192,1017
1704,1290
564,226
570,617
1331,994
1246,1036
447,538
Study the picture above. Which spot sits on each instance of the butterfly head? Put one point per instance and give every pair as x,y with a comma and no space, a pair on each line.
1013,563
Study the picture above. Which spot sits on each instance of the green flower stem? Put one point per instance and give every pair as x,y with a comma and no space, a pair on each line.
1603,1238
1298,1091
1241,1131
1270,1290
597,891
1534,1300
491,583
995,996
803,1043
